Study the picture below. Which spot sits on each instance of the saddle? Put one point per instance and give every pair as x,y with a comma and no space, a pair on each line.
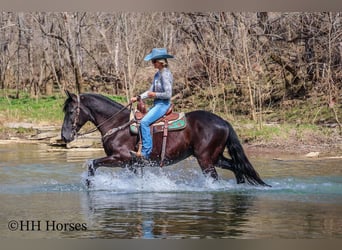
171,121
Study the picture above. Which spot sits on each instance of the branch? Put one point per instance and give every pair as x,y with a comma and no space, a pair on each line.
100,69
282,63
49,34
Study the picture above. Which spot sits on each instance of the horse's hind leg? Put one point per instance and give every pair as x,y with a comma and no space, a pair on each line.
225,163
210,171
207,167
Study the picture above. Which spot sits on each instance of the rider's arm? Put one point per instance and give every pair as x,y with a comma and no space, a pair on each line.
145,94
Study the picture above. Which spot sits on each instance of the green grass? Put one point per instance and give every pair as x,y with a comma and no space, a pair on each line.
252,132
43,109
32,110
249,131
297,122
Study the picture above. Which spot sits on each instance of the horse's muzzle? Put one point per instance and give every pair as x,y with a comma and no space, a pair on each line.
68,138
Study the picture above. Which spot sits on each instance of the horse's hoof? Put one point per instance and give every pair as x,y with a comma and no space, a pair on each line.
91,169
91,172
88,183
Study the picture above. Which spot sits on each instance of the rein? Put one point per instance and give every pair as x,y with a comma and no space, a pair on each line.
114,130
111,131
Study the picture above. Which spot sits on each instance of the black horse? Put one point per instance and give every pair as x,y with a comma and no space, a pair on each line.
205,137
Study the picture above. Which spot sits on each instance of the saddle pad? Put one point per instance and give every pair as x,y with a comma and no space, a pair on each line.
173,125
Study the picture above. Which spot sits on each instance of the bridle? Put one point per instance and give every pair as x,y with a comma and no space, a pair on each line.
110,132
76,120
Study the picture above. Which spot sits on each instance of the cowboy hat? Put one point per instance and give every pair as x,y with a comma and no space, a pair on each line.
157,53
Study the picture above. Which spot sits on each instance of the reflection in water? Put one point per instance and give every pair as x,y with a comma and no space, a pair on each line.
168,215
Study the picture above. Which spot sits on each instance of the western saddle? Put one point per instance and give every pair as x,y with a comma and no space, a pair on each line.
169,122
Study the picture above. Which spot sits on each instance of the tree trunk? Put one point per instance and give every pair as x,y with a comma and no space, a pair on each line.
73,49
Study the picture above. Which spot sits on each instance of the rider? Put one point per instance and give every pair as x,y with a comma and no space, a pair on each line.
161,91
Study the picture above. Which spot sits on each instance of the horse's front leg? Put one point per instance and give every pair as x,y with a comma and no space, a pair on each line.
91,168
108,161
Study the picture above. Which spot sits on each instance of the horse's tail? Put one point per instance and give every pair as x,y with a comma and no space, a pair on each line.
242,167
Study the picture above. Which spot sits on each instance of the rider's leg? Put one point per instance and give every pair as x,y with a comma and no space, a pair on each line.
157,111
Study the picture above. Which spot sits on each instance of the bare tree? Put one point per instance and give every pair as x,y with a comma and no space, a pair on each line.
234,63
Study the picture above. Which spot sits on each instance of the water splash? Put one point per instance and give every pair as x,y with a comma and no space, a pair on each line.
171,179
175,179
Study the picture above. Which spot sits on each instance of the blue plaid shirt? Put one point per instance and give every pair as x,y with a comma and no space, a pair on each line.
162,85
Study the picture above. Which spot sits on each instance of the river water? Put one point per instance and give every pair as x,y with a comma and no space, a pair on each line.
43,195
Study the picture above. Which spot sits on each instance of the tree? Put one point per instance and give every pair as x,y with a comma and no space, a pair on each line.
234,63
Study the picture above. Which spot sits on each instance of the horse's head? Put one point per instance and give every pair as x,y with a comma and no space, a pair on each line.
74,117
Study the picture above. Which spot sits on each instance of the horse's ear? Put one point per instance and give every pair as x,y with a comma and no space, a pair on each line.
68,94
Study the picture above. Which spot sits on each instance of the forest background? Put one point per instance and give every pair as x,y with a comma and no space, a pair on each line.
261,68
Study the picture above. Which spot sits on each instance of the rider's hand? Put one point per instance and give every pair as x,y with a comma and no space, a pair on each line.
134,99
151,94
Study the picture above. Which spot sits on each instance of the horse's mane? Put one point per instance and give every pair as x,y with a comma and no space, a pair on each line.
105,99
99,97
66,103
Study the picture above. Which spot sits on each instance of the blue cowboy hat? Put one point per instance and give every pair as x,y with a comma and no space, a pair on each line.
157,53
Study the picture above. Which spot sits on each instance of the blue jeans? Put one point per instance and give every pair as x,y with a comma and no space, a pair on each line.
156,111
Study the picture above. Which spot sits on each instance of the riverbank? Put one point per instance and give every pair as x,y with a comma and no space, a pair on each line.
290,143
296,131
